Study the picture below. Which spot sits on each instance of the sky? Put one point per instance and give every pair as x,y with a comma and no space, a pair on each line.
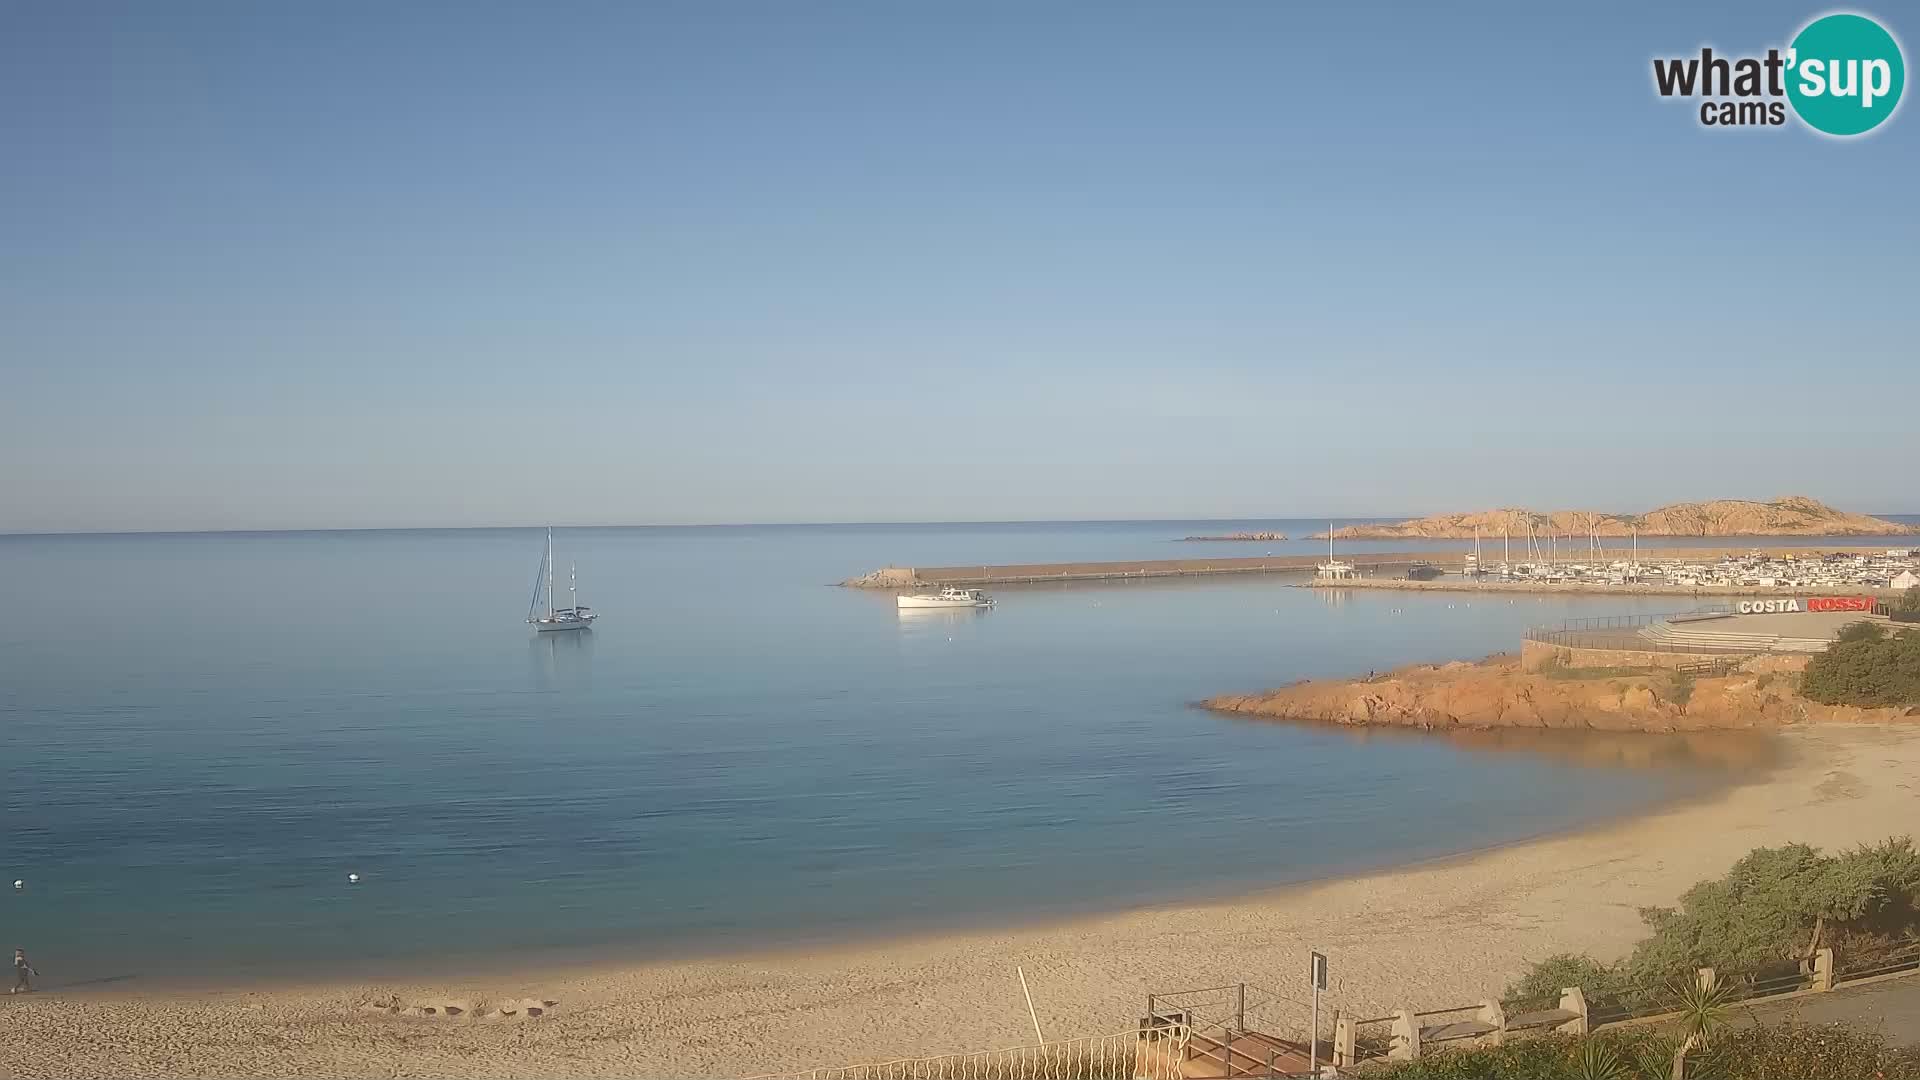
358,264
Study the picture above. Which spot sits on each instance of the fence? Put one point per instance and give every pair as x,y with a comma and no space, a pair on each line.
1217,1031
1414,1033
1900,961
1239,1029
1623,632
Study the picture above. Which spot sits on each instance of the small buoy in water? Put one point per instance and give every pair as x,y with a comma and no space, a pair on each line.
353,879
19,884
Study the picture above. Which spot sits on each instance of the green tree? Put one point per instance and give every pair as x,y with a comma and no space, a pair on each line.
1774,908
1909,602
1866,666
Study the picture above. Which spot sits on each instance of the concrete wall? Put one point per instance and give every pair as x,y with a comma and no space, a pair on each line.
1535,655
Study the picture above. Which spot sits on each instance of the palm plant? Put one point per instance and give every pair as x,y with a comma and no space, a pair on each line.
1599,1059
1702,1010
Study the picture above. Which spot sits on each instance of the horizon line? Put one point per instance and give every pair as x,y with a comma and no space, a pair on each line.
747,525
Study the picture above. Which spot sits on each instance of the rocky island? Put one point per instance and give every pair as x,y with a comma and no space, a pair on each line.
1795,515
1242,536
1496,693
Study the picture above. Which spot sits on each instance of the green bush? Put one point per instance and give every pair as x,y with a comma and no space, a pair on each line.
1777,905
1525,1059
1782,1052
1800,1052
1545,980
1765,915
1866,666
1907,608
1681,688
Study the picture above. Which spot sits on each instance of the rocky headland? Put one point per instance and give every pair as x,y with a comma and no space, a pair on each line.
1242,536
1497,693
1795,515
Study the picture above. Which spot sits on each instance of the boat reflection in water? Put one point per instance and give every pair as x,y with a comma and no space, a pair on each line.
560,661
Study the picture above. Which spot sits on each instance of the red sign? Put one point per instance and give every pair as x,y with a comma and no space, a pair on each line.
1840,603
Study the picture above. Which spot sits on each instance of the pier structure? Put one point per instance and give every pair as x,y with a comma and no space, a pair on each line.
903,577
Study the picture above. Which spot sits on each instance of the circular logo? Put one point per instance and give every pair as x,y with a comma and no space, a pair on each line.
1845,74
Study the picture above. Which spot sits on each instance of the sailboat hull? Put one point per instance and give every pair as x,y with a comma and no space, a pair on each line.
575,616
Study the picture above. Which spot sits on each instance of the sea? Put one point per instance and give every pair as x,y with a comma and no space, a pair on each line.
203,735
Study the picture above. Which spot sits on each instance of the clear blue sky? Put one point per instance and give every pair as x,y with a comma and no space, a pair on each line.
363,264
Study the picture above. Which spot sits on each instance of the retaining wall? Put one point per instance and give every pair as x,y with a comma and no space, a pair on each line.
1535,655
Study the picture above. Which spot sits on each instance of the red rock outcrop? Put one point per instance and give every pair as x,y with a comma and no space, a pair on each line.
1496,693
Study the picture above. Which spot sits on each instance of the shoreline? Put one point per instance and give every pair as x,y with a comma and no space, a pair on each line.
614,957
1440,932
1594,588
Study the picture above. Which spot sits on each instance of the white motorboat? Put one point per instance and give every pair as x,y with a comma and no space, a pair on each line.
571,617
946,598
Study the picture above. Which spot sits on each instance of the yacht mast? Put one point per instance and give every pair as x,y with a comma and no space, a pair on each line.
550,611
573,586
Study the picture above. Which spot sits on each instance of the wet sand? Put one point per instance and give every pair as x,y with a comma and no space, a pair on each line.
1438,934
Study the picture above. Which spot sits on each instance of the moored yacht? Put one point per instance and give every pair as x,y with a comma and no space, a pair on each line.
946,598
1334,569
571,617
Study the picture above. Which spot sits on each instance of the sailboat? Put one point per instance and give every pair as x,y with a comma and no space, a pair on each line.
1334,569
571,617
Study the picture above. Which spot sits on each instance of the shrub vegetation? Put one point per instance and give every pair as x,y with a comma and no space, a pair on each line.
1780,1052
1866,666
1767,915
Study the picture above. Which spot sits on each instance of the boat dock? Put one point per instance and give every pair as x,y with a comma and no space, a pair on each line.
1387,569
914,577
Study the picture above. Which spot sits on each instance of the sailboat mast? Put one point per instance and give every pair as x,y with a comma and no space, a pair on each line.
550,611
573,586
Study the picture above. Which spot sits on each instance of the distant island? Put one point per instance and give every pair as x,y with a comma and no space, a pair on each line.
1242,536
1795,515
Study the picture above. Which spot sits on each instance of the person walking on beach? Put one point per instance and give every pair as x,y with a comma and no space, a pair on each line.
21,972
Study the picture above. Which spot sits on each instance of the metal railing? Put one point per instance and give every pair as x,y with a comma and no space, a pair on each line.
1197,1029
1622,633
1900,960
1241,1028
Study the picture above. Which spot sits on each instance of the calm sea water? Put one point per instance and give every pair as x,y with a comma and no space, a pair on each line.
202,735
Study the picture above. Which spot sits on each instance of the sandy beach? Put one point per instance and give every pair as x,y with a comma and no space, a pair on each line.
1443,933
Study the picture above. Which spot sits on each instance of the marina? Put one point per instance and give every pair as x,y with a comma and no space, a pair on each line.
1797,569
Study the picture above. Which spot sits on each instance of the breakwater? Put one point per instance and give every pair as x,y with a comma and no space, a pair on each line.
906,577
1369,564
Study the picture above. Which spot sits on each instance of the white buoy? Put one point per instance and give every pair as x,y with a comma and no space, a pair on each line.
353,879
19,884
